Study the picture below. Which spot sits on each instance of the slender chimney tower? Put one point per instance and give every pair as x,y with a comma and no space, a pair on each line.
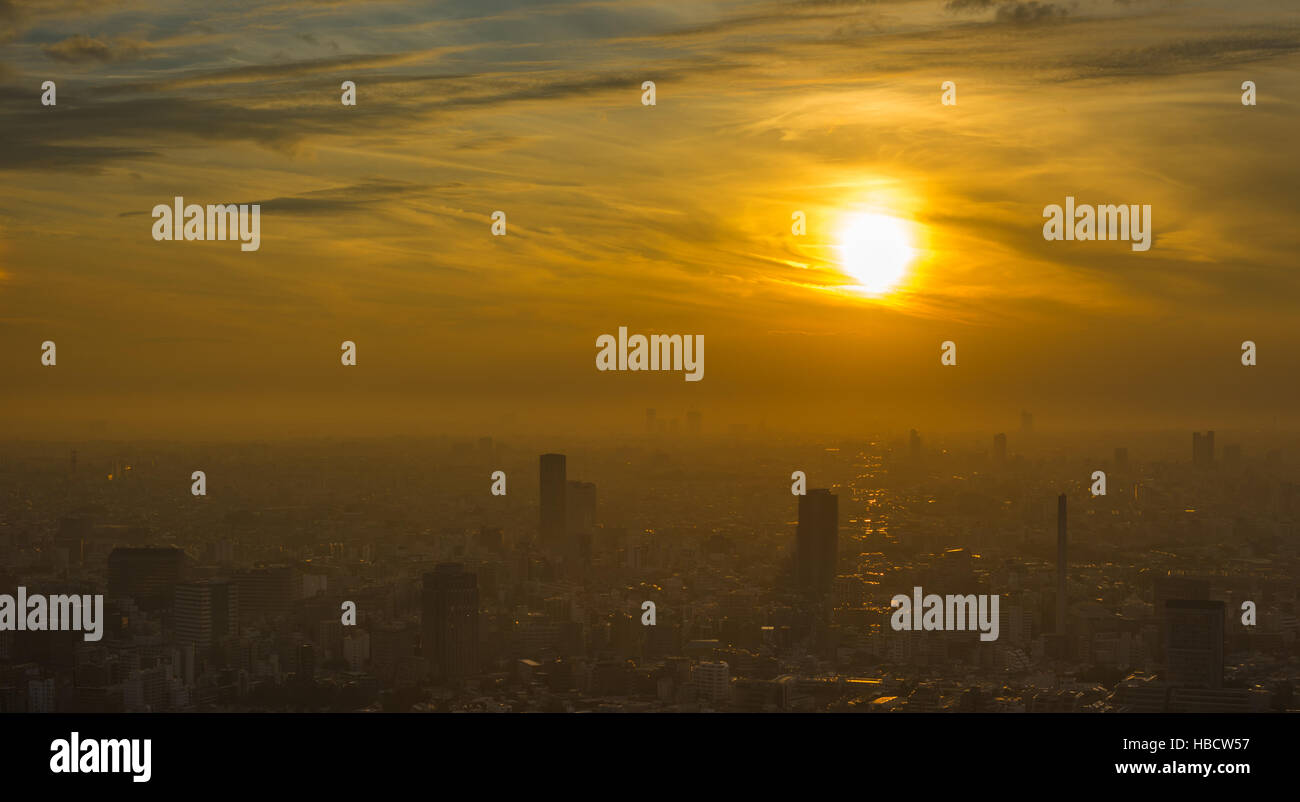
1060,567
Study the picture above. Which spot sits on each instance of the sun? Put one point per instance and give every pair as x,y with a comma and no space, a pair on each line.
875,250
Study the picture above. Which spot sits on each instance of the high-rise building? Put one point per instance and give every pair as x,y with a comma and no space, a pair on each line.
1194,643
490,538
306,664
1026,421
712,680
1121,457
206,612
356,649
449,620
147,575
914,444
73,534
390,645
1000,447
579,509
1062,565
553,491
1203,448
816,541
265,593
1167,588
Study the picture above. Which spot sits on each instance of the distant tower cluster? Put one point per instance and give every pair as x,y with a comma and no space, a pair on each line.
567,508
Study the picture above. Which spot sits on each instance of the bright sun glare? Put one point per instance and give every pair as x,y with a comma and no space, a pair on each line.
875,250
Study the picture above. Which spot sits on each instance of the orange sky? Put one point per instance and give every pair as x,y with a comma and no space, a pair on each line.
674,218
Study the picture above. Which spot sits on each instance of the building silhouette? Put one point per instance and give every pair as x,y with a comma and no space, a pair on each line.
553,490
1194,643
449,620
1203,448
579,510
1062,566
1167,588
148,575
205,613
816,541
265,593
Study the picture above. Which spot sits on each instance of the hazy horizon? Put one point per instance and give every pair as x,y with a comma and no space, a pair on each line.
676,218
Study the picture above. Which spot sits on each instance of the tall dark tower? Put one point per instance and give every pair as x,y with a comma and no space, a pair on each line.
816,541
1000,447
1060,566
579,509
449,620
1203,448
1194,643
553,487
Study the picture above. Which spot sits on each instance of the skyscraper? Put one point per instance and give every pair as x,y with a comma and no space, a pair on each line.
914,443
579,508
1203,448
1061,565
1000,447
449,619
306,664
206,612
264,593
553,490
147,575
1194,643
1166,588
816,541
